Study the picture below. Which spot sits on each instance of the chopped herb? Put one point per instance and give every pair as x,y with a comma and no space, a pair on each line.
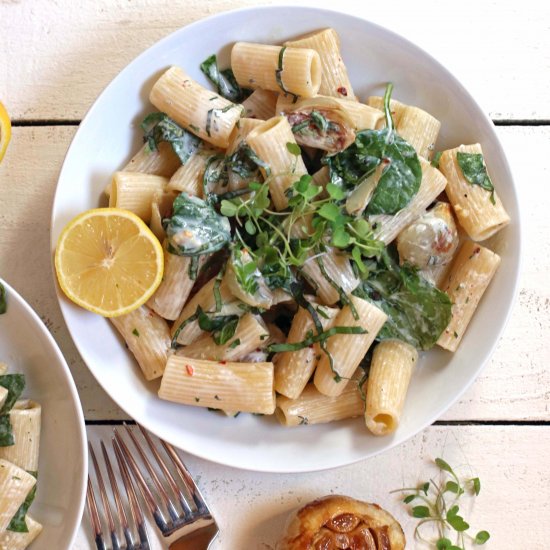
18,523
195,129
222,327
455,334
474,170
279,73
193,269
303,420
3,301
197,399
135,332
224,80
313,338
160,127
235,343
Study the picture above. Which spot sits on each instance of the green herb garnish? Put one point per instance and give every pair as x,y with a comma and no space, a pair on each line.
474,170
160,127
224,80
18,523
440,508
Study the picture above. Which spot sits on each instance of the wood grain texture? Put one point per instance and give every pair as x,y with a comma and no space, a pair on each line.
500,50
512,487
515,384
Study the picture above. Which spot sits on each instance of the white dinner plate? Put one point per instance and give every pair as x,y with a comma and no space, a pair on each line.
27,347
110,133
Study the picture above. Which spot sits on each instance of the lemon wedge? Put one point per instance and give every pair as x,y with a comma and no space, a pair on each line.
108,261
5,130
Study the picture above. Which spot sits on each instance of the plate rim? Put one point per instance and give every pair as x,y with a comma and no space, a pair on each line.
234,463
12,294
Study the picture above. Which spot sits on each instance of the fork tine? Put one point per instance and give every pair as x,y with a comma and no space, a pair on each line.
94,516
182,470
163,494
145,491
167,474
116,495
135,510
105,500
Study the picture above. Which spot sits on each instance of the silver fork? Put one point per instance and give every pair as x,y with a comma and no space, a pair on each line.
178,509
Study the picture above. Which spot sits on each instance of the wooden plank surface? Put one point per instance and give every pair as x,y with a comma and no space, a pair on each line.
251,508
515,385
500,50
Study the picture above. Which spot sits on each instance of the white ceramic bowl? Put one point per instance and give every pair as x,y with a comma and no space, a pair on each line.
110,133
27,347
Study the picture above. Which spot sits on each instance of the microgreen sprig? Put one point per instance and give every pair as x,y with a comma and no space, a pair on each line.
439,506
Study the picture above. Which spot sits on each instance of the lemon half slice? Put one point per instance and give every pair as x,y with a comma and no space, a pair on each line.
5,131
108,261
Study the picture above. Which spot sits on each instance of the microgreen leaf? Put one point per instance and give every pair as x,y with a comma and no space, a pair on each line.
329,211
421,512
482,537
476,485
452,487
293,149
408,499
335,192
444,466
443,544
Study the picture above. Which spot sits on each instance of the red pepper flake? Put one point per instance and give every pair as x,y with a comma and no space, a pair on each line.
223,362
386,160
477,250
190,370
258,349
310,346
342,91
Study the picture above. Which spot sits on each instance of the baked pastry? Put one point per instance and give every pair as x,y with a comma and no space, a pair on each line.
338,522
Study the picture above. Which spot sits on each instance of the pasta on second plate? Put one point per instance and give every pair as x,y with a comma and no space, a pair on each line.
314,244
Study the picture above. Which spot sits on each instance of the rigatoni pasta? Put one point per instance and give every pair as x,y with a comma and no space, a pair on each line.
469,277
390,372
478,208
245,387
295,71
203,112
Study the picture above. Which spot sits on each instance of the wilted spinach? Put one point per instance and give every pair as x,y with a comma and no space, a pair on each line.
417,311
18,523
15,384
474,170
400,179
195,227
222,327
160,127
224,80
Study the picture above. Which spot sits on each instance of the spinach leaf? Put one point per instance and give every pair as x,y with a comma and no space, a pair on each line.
222,327
15,384
3,302
400,179
224,80
18,523
160,127
195,227
418,312
474,170
6,433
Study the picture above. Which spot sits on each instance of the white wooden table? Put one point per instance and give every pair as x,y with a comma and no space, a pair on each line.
55,58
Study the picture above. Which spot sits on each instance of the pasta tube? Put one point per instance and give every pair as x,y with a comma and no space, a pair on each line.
245,126
269,141
161,162
386,227
397,109
335,81
135,191
347,350
246,387
295,71
187,331
15,484
12,540
473,205
3,396
251,334
312,407
420,129
161,207
390,372
189,176
328,273
148,338
25,419
293,369
470,275
205,113
172,293
260,104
